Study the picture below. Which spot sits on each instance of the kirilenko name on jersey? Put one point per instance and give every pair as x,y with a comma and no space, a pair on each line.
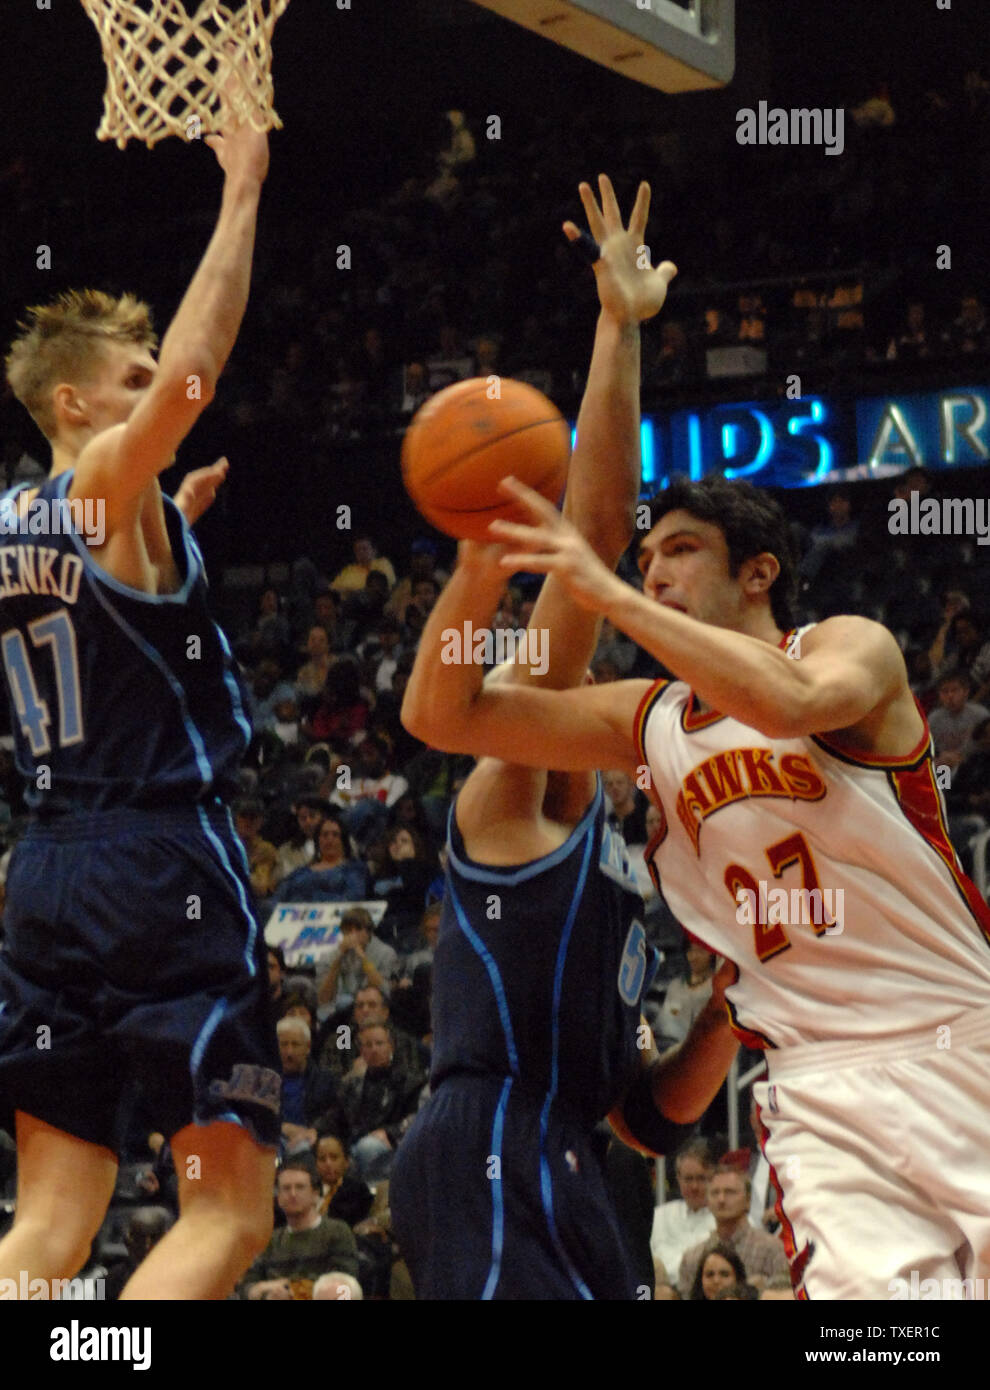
39,569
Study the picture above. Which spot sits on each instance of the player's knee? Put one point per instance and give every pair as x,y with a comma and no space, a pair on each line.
66,1250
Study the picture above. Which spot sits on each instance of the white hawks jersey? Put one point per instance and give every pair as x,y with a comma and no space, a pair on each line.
827,876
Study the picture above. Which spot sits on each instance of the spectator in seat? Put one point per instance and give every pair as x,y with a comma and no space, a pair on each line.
340,1053
308,1093
403,882
829,540
719,1273
345,1198
333,876
300,848
366,558
306,1247
262,856
729,1194
953,722
628,813
681,1224
312,674
359,959
686,995
378,1105
342,711
911,343
366,794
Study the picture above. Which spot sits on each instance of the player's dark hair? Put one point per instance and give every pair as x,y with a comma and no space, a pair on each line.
697,1294
751,522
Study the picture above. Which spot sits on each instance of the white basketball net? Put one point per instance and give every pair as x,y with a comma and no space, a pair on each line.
168,71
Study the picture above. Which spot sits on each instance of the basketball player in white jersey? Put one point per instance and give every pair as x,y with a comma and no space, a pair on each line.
794,761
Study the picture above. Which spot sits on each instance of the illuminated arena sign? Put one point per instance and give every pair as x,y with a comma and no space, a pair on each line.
818,439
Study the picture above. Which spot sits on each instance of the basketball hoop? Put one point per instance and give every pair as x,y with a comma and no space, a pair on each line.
169,72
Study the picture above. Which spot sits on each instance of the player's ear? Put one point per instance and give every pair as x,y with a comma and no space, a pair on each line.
758,573
70,407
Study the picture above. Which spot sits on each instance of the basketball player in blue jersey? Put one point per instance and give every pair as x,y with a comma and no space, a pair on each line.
498,1190
130,951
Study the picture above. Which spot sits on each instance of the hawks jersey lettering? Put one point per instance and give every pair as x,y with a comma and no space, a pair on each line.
114,693
826,875
539,969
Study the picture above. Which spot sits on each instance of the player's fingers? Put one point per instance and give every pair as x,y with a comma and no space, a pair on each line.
596,225
532,501
522,562
640,212
571,231
666,270
610,204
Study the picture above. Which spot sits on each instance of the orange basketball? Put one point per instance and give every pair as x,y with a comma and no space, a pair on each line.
465,439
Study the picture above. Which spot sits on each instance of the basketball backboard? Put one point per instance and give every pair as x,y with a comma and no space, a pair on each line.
674,45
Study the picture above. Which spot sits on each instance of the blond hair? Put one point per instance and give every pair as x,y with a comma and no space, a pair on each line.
63,341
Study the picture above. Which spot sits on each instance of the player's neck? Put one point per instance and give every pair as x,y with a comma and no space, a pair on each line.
759,623
63,459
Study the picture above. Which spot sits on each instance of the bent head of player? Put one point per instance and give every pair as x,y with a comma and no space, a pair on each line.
81,364
721,552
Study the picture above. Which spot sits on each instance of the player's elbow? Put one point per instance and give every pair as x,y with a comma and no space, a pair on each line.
191,377
426,722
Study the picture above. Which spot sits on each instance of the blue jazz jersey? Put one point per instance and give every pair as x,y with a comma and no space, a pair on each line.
119,699
498,1190
539,970
128,930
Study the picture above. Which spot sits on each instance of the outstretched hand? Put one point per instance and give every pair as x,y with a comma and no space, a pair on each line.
198,490
549,544
241,151
629,288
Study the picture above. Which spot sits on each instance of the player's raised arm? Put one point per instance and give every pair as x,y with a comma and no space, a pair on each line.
603,477
446,705
119,464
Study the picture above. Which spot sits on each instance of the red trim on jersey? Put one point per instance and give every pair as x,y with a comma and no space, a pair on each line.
749,1037
693,719
878,760
918,797
654,845
797,1262
643,714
